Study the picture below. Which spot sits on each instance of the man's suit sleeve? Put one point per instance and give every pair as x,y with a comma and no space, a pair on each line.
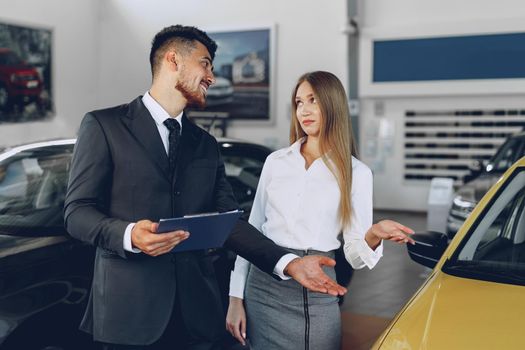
86,204
245,240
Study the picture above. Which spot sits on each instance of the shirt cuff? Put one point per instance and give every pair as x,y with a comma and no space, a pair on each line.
237,284
281,265
127,240
369,256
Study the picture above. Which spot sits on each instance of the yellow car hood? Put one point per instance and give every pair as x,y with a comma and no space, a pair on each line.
458,313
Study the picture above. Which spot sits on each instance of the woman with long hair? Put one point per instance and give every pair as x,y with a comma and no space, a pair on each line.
308,194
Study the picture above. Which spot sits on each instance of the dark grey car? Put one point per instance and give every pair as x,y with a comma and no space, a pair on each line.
45,275
481,179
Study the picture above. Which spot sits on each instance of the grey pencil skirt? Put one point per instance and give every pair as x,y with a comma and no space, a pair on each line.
285,315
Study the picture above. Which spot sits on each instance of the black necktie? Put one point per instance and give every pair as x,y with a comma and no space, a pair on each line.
174,128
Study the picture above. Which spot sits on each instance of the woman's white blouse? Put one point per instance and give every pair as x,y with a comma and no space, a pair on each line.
298,208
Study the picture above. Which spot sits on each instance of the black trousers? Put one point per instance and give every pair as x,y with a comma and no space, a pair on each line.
175,337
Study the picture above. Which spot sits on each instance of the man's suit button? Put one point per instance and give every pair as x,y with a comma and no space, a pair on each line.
177,193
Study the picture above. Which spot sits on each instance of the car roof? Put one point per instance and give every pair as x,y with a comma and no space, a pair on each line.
10,151
519,134
54,142
232,140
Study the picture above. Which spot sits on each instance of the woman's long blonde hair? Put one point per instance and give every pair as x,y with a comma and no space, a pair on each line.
336,140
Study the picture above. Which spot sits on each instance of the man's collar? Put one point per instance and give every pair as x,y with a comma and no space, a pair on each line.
158,113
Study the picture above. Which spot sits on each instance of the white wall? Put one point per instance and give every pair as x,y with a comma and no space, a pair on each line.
74,25
386,19
101,52
308,36
386,13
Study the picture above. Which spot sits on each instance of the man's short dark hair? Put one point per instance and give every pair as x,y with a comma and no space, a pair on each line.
185,36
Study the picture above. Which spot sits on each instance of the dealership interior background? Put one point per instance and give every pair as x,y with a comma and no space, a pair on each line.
415,119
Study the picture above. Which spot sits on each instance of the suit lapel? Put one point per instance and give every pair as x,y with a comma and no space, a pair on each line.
143,128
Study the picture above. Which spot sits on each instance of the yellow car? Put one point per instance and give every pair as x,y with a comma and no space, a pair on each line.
475,296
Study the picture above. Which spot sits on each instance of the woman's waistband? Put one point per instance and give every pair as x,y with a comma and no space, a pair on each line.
304,252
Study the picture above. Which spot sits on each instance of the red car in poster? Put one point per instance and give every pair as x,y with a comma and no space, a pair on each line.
20,83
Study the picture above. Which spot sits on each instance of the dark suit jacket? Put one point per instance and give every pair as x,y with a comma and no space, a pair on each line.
119,174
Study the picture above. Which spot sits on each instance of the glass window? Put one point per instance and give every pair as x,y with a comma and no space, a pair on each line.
9,58
243,166
32,190
495,250
506,156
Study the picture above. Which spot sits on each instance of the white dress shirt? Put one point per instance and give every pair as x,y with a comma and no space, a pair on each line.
159,115
298,208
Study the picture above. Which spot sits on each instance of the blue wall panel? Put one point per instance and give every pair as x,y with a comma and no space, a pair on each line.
499,56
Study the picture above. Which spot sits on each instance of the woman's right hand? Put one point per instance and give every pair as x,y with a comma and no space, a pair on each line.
236,320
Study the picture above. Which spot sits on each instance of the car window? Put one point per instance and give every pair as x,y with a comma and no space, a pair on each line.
506,155
243,166
243,174
495,247
9,59
32,190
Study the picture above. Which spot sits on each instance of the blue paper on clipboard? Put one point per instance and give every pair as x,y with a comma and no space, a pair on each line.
207,231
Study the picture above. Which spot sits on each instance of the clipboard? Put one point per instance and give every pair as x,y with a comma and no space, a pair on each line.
207,231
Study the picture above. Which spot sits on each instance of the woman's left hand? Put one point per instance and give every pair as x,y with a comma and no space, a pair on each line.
389,230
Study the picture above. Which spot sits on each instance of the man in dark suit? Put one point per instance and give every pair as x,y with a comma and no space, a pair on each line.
132,166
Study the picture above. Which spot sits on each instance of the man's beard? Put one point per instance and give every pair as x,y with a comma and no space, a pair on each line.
193,98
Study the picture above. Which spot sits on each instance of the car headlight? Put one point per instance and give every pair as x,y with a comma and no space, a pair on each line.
461,207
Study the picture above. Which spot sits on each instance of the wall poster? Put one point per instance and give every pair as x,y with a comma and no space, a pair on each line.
243,72
26,90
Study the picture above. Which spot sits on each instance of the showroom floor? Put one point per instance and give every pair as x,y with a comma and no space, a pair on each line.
375,296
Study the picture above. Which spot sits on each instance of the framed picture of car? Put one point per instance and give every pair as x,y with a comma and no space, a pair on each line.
25,73
243,67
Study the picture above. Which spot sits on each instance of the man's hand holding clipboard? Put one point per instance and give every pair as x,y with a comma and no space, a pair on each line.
192,232
144,238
